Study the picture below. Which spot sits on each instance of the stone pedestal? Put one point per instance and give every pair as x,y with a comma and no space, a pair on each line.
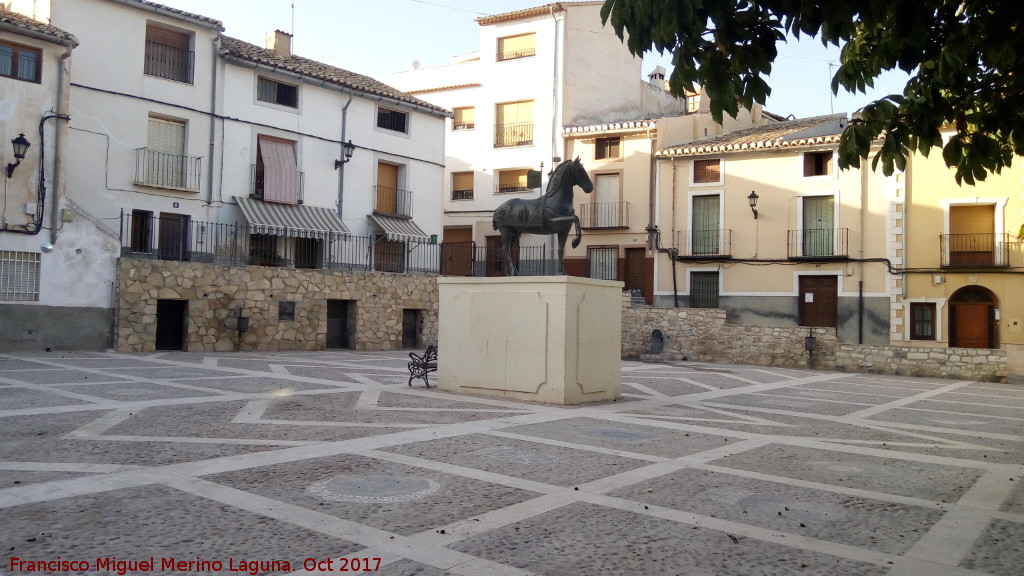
551,339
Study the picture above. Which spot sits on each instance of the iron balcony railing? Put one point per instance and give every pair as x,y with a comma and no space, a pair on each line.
462,194
510,188
699,244
151,237
293,183
390,201
818,244
512,55
975,250
515,134
164,170
168,62
604,215
463,125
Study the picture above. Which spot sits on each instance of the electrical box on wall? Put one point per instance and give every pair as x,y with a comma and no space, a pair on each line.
30,208
67,215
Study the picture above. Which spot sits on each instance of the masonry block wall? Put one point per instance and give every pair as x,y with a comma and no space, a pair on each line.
699,334
215,294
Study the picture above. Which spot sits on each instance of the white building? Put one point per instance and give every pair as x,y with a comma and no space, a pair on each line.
536,71
176,133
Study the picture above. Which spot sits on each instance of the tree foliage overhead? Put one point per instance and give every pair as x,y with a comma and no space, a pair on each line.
966,73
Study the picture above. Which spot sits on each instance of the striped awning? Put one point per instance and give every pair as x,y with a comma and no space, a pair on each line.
290,219
400,229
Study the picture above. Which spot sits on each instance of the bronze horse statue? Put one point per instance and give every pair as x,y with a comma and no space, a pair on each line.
552,213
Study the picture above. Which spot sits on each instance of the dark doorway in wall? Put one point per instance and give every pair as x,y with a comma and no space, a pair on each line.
340,318
818,301
170,324
410,328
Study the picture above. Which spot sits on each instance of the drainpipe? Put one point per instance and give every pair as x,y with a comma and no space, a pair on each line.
341,168
555,108
215,59
675,286
58,144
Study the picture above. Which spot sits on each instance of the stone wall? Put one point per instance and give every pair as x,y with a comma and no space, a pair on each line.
215,294
700,334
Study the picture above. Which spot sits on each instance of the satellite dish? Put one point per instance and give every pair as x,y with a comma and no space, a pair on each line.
415,64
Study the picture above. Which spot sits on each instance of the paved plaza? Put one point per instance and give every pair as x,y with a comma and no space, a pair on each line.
325,463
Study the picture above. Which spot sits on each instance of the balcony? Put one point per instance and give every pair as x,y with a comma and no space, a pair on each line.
391,201
984,250
704,244
818,244
164,170
604,215
515,54
515,134
462,194
168,62
290,188
463,125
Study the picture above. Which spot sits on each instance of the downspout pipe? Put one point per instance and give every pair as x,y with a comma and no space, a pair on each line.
58,143
341,168
215,60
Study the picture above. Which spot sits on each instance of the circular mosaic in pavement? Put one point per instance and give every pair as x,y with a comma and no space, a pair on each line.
374,488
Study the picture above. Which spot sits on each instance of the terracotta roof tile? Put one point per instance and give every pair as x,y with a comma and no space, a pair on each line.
526,12
320,71
15,20
146,4
787,134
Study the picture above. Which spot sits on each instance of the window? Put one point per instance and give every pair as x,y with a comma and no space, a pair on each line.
164,163
462,185
521,46
704,229
19,276
513,124
20,62
707,171
276,174
692,102
604,263
817,164
819,231
142,232
391,200
605,148
922,321
465,118
285,311
275,92
604,212
704,290
392,120
168,54
512,181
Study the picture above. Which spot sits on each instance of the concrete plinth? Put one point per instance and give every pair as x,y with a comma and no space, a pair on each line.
551,339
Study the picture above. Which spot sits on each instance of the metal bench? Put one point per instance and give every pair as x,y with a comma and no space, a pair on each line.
422,365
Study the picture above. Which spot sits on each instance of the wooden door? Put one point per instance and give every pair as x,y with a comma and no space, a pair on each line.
457,252
495,262
818,301
387,189
972,318
635,268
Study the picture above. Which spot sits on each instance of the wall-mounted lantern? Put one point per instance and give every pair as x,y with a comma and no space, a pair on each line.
752,199
21,145
349,149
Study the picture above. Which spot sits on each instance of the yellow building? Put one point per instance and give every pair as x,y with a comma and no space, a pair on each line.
962,283
761,223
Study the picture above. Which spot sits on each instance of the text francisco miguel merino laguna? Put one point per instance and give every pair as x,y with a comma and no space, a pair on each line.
152,564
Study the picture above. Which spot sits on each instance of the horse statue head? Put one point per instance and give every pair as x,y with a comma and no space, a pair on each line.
566,175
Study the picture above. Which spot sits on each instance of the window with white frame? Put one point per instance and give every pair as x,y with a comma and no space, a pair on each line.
19,276
707,171
274,92
819,232
276,173
922,321
389,119
165,161
706,224
817,164
703,289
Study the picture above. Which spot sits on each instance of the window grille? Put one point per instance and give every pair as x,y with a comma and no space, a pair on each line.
392,120
19,276
604,263
704,290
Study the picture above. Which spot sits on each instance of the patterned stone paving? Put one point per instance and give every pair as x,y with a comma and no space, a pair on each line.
324,463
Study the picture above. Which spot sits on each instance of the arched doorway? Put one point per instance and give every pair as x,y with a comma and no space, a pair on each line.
972,318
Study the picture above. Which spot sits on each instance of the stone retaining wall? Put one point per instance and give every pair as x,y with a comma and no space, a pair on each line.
216,293
703,335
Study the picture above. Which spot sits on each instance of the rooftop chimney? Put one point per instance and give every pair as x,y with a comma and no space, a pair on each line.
280,42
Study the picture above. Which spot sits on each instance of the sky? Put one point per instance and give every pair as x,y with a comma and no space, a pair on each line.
380,37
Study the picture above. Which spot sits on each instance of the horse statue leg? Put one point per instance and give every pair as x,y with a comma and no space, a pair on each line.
579,233
508,238
563,235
